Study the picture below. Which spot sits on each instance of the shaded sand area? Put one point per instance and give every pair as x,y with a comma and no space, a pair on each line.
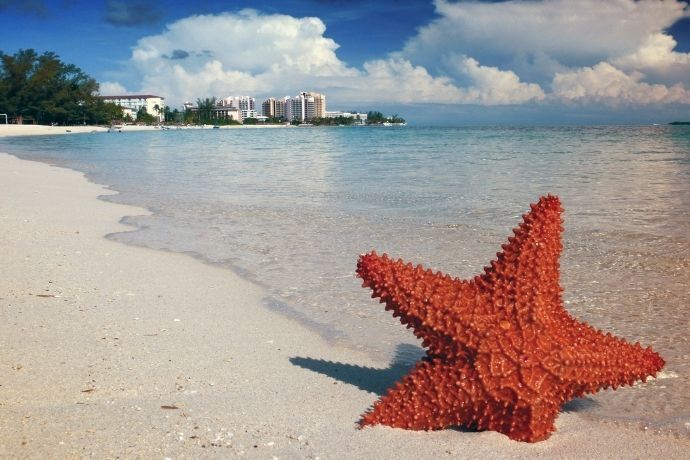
114,351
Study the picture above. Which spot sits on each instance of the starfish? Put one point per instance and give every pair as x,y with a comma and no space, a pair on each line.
503,354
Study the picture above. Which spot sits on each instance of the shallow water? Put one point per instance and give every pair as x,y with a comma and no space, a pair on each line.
291,209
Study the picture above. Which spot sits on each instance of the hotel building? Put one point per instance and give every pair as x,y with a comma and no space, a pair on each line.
305,106
245,104
273,108
132,103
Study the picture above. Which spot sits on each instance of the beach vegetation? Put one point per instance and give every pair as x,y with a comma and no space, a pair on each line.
42,89
375,117
204,110
143,116
335,121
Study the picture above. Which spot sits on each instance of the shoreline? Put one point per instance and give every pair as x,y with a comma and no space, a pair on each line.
45,130
114,350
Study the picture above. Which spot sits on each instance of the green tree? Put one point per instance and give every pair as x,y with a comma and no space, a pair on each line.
143,116
205,109
158,110
375,117
47,90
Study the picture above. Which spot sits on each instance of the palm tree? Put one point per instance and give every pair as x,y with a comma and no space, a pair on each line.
205,108
157,109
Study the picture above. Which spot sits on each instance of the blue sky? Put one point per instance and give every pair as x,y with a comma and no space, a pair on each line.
434,62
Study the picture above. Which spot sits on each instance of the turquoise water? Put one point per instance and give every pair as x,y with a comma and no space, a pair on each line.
291,209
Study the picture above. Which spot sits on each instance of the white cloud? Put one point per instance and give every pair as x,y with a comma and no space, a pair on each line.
656,51
253,53
491,86
603,83
111,88
238,53
657,59
505,53
530,37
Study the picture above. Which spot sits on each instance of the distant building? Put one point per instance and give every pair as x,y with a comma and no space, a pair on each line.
132,103
305,106
239,102
219,112
268,107
360,118
227,113
273,108
319,104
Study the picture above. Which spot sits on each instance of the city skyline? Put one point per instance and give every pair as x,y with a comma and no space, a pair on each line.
445,62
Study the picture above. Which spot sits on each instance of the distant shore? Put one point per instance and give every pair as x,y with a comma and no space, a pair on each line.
46,130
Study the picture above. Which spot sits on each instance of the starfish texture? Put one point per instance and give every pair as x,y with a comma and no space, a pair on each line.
502,352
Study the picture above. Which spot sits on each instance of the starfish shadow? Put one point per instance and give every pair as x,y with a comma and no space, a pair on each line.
368,379
582,404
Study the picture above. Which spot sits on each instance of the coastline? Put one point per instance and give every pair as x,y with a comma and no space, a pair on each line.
117,350
45,130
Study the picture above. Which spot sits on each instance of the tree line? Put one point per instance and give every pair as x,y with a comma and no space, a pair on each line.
40,88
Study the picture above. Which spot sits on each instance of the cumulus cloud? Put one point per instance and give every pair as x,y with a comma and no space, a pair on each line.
526,35
111,88
507,53
238,53
603,83
491,86
585,50
253,53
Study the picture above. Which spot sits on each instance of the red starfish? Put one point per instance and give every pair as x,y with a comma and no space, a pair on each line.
502,352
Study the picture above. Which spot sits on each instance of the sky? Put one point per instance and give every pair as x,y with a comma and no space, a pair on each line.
435,62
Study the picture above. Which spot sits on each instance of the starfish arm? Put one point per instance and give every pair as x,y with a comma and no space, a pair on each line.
522,284
437,307
434,395
592,360
438,394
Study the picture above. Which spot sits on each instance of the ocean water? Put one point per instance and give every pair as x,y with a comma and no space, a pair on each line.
291,209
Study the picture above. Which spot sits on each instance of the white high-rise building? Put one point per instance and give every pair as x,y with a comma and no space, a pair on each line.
305,106
238,102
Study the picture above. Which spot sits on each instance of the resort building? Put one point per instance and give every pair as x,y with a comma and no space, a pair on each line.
319,104
132,103
245,104
305,106
273,108
239,102
227,113
360,118
219,112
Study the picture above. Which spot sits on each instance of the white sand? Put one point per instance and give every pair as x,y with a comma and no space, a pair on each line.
43,130
96,336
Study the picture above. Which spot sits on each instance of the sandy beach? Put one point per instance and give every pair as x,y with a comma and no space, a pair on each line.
108,350
44,130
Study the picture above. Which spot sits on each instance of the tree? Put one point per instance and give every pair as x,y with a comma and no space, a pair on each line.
143,116
374,117
44,88
205,109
